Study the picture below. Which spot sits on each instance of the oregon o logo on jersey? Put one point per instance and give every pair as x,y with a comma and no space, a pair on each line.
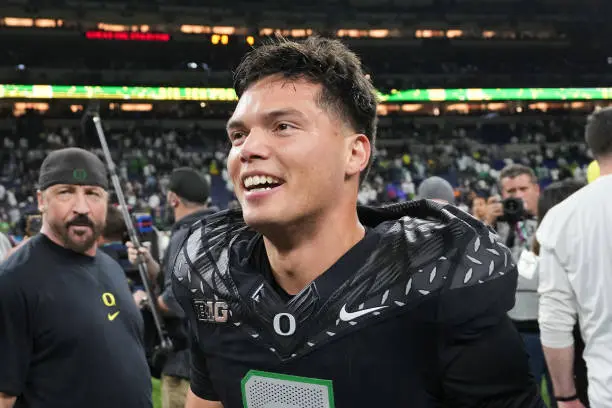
289,329
261,389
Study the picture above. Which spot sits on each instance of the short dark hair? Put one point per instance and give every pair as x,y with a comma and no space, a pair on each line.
346,88
115,227
551,196
190,204
598,132
515,170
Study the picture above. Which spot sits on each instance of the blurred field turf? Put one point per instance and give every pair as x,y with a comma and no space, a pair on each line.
545,394
156,393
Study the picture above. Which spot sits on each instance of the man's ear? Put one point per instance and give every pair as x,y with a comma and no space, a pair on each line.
42,206
359,152
173,199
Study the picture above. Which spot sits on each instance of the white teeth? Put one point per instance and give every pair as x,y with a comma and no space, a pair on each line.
252,181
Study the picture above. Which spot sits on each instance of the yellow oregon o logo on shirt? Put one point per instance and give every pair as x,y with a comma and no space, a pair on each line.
108,299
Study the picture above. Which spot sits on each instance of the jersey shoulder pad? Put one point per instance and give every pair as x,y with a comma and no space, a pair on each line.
420,247
429,230
484,275
202,261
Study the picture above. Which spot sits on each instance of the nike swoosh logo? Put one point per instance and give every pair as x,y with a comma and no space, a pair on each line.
112,316
348,316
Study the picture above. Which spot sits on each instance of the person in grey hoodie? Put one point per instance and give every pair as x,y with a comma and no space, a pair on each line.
436,188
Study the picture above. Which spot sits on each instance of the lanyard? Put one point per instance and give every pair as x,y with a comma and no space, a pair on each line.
521,230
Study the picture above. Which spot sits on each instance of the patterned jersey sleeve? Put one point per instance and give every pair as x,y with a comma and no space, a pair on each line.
482,281
200,383
199,272
481,355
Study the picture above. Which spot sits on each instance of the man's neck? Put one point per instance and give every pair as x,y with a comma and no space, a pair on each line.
308,252
182,212
605,166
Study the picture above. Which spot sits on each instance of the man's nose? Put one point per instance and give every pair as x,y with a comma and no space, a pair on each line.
81,206
255,146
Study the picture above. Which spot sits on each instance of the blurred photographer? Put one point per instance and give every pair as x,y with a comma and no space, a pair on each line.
188,198
30,224
515,220
112,241
514,215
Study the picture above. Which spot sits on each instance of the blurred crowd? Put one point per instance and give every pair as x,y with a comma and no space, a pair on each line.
466,156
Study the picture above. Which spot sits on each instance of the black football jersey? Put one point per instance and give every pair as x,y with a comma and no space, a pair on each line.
414,315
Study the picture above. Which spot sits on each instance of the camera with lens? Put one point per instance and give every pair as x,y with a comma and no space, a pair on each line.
514,211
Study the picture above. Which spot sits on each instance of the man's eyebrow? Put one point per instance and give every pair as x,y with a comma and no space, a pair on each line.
233,124
273,114
58,187
270,115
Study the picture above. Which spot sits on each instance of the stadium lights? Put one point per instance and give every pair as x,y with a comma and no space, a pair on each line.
77,92
215,39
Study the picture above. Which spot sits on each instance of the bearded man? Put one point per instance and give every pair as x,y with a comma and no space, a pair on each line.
70,333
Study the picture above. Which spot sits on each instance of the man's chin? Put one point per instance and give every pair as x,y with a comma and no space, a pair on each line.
79,242
257,218
80,247
267,222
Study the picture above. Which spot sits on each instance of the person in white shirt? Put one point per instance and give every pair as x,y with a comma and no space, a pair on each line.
5,246
576,280
529,271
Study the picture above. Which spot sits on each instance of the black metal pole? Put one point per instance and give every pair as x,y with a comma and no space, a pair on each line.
166,343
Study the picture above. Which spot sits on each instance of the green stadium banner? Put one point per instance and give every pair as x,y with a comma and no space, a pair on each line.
138,93
498,94
116,93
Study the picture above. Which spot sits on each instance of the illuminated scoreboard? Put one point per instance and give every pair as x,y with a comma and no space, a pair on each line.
127,36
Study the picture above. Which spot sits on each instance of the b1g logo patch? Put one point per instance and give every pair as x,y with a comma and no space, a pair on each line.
211,311
261,389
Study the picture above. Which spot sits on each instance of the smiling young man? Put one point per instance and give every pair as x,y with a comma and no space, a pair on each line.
300,299
70,333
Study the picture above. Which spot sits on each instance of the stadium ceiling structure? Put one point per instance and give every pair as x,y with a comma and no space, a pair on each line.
318,14
413,3
277,4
